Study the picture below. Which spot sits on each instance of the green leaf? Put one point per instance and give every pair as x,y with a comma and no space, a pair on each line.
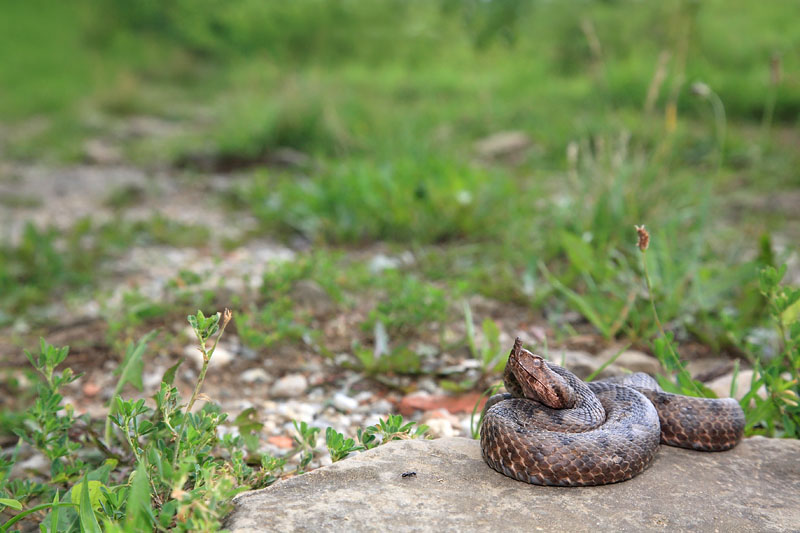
130,371
139,514
88,520
14,504
791,314
94,489
493,351
7,525
169,375
54,513
167,512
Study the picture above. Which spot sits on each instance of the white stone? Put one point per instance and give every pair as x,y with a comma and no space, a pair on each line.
300,411
381,262
289,386
255,375
364,396
380,407
440,427
344,402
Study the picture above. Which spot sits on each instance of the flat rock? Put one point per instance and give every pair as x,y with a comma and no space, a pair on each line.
637,361
754,487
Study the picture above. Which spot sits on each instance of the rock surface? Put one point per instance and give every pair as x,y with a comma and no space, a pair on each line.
754,487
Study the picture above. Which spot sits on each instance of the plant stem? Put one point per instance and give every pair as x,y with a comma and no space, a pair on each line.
676,359
720,126
226,317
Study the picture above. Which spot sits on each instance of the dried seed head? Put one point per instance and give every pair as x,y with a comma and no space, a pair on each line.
644,237
226,317
701,89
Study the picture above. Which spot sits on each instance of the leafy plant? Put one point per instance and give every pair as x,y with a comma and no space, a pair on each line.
393,427
338,446
49,422
778,414
305,442
157,468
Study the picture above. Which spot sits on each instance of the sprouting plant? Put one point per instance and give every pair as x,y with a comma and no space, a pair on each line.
409,304
338,446
305,442
204,328
394,427
49,421
490,354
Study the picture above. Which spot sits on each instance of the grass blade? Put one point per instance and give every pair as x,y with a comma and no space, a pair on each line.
608,362
88,520
5,526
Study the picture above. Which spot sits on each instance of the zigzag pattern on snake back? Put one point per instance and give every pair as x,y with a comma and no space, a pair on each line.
551,428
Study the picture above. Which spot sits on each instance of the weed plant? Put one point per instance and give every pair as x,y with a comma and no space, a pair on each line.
165,467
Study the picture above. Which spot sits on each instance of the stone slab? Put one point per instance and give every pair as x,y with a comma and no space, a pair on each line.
754,487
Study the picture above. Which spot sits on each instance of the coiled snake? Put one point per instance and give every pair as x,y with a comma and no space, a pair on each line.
554,429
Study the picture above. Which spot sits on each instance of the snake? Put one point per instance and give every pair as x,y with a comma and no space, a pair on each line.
551,428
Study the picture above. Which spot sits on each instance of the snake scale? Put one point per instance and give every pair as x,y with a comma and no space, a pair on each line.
551,428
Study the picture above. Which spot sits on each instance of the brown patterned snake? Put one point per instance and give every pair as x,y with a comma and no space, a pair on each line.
554,429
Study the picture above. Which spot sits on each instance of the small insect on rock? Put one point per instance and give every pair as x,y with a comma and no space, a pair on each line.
408,474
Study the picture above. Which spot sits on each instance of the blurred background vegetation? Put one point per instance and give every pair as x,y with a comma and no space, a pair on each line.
510,145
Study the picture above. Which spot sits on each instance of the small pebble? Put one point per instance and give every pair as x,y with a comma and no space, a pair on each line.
283,442
255,375
441,427
91,389
380,407
344,402
289,386
293,410
364,396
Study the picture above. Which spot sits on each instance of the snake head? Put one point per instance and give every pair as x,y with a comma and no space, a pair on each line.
536,380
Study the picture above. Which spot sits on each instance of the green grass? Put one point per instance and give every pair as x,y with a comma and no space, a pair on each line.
48,264
386,110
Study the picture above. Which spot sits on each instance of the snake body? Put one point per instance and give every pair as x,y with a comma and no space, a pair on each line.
554,429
